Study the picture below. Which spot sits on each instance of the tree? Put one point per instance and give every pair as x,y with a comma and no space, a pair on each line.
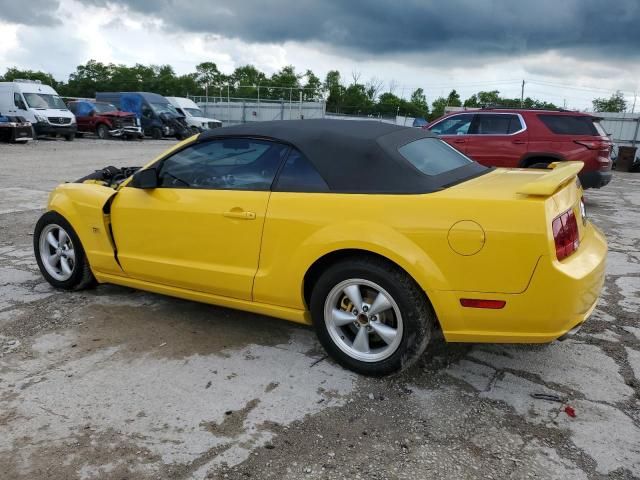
285,83
208,76
333,86
246,80
418,105
356,101
14,74
312,87
615,103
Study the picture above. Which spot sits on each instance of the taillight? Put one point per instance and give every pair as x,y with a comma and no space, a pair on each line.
565,234
594,144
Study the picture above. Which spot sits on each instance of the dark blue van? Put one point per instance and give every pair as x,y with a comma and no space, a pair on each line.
157,116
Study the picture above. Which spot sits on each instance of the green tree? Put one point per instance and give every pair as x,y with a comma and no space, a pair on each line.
285,84
245,81
615,103
333,86
355,100
312,87
14,73
208,77
418,106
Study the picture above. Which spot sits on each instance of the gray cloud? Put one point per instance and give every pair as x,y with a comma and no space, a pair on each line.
29,12
389,27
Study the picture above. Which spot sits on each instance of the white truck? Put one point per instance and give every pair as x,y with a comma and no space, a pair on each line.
193,115
39,104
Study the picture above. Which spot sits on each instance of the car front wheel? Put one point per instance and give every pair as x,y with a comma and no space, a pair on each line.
60,255
370,316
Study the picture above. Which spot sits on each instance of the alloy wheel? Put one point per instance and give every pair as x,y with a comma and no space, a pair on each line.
363,320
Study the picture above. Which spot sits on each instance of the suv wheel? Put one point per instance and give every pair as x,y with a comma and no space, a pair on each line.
370,316
156,133
102,131
59,253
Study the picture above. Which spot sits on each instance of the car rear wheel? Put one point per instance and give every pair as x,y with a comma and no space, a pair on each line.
60,255
370,316
102,131
156,133
70,137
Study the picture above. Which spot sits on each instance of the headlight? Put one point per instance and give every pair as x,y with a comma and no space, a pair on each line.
40,118
73,120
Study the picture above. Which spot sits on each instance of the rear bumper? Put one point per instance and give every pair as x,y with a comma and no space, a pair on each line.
126,131
559,298
595,179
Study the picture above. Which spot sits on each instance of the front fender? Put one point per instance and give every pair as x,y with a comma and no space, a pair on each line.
83,206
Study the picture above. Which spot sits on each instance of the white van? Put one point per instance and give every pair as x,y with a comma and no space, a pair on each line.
39,104
193,115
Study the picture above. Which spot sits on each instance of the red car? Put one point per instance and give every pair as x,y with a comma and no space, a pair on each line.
104,119
530,139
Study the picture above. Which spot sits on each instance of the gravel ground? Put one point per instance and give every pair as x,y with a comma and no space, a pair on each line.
114,383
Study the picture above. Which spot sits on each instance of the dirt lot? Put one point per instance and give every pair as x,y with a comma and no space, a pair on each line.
114,383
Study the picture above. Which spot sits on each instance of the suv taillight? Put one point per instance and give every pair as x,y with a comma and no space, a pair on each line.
594,144
565,234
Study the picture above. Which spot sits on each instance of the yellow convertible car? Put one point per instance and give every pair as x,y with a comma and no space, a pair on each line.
376,234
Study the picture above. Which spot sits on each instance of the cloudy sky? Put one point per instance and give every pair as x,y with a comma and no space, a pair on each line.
567,51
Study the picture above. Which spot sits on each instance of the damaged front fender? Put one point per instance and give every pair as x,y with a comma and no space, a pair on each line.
86,208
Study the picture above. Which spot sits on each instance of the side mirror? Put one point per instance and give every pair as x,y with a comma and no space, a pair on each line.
147,178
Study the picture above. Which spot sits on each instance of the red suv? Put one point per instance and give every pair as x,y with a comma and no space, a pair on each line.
530,139
104,120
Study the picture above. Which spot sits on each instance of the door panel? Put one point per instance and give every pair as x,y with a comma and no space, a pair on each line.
497,140
205,240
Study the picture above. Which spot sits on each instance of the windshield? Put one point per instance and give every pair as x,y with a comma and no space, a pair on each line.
44,100
433,156
194,112
104,107
165,108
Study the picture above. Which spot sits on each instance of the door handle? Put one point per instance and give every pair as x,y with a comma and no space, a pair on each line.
519,142
459,140
240,215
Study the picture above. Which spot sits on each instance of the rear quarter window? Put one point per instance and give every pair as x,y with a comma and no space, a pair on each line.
432,156
570,124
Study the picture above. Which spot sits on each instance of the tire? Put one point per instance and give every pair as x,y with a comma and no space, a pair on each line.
79,134
102,131
70,137
156,133
79,277
195,130
408,313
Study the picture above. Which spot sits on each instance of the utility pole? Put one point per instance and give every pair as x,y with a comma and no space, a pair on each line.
635,96
522,95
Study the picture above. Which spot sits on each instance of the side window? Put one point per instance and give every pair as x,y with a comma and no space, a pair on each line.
230,164
487,124
18,101
147,112
455,125
180,111
299,175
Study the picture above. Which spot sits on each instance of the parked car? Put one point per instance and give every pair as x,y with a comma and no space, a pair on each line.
104,119
40,105
373,233
158,118
530,139
193,115
15,129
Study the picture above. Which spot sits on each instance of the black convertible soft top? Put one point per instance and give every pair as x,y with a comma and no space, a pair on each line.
353,156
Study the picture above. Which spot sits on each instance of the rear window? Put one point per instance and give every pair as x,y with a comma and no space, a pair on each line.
570,125
433,156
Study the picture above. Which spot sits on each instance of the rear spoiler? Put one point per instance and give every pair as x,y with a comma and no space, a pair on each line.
560,173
